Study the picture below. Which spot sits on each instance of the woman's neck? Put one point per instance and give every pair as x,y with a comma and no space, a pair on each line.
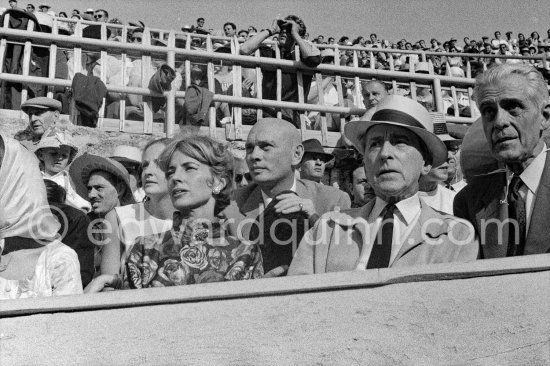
203,212
160,207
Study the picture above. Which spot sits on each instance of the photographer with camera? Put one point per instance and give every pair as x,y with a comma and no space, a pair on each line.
291,31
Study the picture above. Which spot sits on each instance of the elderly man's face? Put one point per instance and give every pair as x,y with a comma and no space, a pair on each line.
511,120
373,93
312,167
40,119
393,161
102,194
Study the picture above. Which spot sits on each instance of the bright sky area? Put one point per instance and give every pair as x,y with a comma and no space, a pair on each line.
390,19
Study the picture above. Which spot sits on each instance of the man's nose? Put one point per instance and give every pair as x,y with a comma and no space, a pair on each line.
92,193
502,119
255,154
387,150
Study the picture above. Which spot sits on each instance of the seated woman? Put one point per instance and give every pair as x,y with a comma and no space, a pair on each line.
199,248
33,260
148,218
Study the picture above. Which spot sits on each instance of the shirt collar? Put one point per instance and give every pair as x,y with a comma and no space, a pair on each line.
267,200
408,208
532,174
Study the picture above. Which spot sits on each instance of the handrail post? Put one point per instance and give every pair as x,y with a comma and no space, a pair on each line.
211,87
301,96
171,97
438,96
237,119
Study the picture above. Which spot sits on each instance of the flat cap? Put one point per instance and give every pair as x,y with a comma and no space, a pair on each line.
41,102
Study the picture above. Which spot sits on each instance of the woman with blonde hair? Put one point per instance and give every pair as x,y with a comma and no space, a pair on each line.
153,216
199,248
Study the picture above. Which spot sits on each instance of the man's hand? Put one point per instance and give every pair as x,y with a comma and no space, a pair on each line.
294,29
290,202
275,26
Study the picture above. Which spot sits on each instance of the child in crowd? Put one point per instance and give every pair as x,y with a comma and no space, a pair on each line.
56,151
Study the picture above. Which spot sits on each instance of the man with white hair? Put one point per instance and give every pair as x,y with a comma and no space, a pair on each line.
509,209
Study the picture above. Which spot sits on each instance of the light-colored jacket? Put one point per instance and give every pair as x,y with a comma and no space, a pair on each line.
336,242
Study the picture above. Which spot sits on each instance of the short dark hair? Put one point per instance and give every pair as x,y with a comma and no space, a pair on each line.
242,31
303,30
231,24
373,34
104,11
54,192
199,19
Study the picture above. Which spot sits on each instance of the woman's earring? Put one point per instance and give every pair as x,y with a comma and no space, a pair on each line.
216,190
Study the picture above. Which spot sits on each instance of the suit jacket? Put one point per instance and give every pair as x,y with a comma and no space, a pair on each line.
336,242
484,199
246,207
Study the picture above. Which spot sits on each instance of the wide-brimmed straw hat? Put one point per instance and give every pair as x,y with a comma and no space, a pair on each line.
127,154
56,138
83,166
313,146
403,112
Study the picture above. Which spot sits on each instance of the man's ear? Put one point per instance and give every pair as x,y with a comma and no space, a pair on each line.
297,154
546,116
425,169
56,113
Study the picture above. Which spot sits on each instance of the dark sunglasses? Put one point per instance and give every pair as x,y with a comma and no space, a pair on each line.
99,16
137,39
239,177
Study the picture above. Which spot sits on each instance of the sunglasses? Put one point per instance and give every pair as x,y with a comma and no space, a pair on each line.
137,39
98,16
239,177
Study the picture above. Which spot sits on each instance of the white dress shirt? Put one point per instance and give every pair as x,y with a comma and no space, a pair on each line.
440,199
267,199
405,217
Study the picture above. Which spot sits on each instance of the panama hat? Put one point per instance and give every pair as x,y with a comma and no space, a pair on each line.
127,154
56,138
83,166
313,146
400,111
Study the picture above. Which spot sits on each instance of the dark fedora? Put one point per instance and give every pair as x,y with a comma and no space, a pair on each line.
314,147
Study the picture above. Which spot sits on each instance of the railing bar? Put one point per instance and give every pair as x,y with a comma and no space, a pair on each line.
438,96
188,63
279,76
357,82
455,101
77,67
258,86
170,121
237,91
122,105
339,89
26,62
321,101
211,87
413,84
53,60
145,77
301,99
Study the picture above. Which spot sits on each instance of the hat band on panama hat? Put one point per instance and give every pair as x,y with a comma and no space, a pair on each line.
392,115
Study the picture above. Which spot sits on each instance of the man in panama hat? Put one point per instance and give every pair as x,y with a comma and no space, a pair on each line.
396,229
314,161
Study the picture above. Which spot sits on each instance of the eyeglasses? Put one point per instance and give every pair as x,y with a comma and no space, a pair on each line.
98,16
137,39
239,177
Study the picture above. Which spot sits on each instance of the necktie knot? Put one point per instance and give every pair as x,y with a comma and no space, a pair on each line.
515,185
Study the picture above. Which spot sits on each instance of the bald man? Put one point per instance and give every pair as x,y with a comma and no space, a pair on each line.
374,92
276,207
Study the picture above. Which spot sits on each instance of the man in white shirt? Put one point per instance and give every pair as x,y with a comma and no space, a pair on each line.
509,209
396,229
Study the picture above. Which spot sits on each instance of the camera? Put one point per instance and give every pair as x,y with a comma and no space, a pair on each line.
284,26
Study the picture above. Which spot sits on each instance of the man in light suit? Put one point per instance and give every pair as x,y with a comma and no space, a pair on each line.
397,228
273,151
510,208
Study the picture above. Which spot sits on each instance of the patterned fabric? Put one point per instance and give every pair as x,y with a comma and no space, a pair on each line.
192,252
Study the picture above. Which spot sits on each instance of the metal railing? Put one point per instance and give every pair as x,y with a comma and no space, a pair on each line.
184,58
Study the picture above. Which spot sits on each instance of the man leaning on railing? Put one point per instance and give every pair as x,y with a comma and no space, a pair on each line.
291,30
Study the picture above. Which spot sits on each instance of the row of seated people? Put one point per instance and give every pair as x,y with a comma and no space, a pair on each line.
194,227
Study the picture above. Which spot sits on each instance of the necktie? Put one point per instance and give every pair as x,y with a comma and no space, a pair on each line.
278,234
517,213
381,250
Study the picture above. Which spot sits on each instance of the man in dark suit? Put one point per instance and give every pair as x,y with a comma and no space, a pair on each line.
509,208
276,197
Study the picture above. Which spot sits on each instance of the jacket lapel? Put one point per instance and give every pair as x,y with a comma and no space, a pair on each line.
538,239
433,230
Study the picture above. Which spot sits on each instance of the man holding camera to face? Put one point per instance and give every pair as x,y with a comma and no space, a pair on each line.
291,31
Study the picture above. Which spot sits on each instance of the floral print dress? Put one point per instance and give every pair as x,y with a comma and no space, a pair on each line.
192,252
